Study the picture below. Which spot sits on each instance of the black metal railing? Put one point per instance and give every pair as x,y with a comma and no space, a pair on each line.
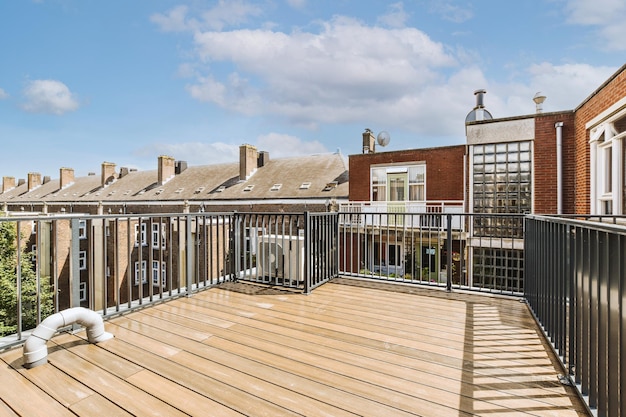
115,263
472,251
576,288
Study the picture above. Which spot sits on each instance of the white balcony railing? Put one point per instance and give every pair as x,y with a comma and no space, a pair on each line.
418,214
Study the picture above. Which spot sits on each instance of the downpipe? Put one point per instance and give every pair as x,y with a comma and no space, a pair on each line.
35,349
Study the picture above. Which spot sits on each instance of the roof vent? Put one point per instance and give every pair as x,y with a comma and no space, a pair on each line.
330,186
479,112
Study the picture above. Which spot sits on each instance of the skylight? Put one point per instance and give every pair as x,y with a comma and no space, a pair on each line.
276,187
305,185
248,188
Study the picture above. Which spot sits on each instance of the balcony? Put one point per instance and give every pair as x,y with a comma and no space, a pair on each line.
222,324
349,348
422,214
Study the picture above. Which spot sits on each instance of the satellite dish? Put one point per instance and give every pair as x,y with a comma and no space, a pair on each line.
383,138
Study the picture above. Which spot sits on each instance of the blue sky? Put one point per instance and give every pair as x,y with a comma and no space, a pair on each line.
86,81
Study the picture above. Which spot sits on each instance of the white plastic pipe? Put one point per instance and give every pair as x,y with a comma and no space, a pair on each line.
35,349
559,167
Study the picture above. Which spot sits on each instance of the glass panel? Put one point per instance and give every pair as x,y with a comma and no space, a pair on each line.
397,185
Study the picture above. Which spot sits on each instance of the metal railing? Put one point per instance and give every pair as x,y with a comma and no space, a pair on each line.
115,263
472,251
109,263
576,288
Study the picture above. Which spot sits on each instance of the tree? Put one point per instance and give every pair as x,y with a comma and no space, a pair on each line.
29,289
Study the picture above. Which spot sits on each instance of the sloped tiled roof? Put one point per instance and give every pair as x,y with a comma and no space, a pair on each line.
326,173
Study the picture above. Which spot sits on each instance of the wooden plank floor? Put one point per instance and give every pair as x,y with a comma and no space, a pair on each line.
349,348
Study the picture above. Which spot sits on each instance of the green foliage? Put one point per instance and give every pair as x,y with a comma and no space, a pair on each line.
8,285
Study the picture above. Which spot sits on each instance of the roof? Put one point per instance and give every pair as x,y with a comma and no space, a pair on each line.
323,175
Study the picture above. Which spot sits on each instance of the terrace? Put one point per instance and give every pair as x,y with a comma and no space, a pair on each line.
224,329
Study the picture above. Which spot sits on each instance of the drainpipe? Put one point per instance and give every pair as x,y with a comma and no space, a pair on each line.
35,349
559,167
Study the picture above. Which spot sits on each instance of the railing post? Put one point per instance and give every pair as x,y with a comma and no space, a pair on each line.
307,252
449,249
189,258
74,263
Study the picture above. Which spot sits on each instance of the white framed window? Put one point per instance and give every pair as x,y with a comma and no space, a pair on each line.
141,237
159,232
159,271
143,272
82,260
82,291
608,174
82,229
398,183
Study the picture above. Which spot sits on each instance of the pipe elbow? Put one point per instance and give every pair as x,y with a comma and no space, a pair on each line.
35,349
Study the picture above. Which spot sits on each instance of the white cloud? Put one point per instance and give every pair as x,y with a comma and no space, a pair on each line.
49,96
3,94
173,21
451,12
280,145
396,17
224,14
345,72
607,15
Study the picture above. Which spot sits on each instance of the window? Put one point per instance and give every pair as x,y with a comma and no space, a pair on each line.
82,229
248,188
399,183
159,230
82,291
276,187
156,272
141,237
417,183
143,272
608,175
82,260
34,253
502,178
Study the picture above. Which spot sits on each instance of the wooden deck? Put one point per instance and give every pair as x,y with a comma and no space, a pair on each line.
350,348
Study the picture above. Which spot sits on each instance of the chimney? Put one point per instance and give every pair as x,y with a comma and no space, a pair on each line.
180,167
264,158
369,141
34,180
167,169
248,161
108,173
21,182
8,183
67,177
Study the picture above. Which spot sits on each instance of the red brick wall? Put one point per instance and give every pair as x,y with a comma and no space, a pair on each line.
545,163
608,94
444,171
